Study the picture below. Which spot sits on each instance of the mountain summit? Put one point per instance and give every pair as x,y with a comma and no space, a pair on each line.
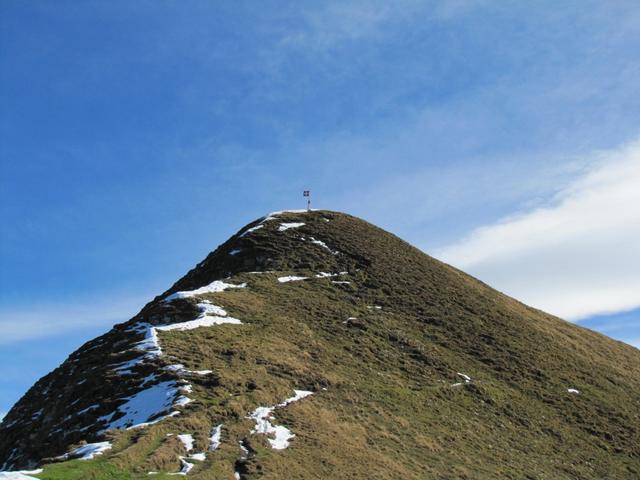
314,345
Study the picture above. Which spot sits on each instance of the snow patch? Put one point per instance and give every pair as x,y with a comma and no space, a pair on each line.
144,408
185,467
216,437
20,475
573,390
329,275
88,451
299,395
252,229
214,287
209,309
294,278
124,368
263,415
181,370
466,378
244,450
181,401
187,441
291,278
268,218
323,245
85,410
320,242
150,344
272,215
203,321
37,414
286,226
235,251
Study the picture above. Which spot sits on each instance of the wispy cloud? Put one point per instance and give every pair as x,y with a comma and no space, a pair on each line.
578,257
328,25
28,323
332,23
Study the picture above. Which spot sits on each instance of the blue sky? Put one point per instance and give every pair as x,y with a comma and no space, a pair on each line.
137,136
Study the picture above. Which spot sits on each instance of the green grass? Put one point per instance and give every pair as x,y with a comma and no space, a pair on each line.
97,469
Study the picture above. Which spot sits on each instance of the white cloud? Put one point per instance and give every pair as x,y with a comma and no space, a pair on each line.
25,323
576,258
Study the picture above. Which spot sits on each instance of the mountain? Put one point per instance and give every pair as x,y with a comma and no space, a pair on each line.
314,345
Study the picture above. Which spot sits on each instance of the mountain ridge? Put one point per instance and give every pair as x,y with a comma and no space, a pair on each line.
383,337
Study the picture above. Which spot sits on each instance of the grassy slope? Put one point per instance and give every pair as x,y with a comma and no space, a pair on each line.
389,410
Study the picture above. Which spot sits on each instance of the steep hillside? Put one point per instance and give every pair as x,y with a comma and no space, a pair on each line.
314,345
